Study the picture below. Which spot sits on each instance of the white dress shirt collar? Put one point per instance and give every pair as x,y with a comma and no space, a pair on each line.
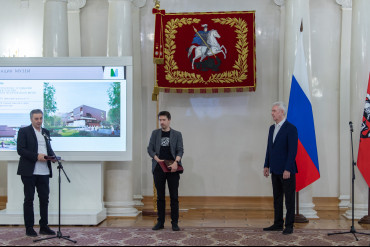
281,123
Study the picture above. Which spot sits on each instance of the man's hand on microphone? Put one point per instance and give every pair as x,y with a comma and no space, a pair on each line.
41,157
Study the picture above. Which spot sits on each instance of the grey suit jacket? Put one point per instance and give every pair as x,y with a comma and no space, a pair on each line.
176,143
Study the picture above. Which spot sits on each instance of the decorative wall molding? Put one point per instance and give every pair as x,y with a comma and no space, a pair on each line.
345,3
136,3
76,4
139,3
280,3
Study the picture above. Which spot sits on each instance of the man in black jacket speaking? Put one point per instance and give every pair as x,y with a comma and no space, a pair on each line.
35,171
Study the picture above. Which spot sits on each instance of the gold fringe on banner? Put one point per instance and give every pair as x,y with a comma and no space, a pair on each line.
158,60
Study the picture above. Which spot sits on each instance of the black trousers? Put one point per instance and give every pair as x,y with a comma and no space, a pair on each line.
173,180
283,187
41,183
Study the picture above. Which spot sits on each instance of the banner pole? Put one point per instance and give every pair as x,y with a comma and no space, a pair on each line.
299,218
155,206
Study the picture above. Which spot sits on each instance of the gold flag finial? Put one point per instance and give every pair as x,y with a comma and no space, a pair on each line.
157,4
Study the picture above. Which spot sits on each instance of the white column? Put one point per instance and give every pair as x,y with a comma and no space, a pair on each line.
120,28
74,27
55,29
295,12
360,68
281,4
119,199
345,102
118,189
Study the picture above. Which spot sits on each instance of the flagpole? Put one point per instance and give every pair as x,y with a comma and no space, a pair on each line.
299,218
366,219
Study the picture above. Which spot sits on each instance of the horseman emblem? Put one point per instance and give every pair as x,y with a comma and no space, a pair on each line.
206,45
365,128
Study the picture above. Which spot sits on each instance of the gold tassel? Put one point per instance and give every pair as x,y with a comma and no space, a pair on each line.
154,97
156,90
155,93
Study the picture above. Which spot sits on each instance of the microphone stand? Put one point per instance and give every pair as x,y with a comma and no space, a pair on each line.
353,230
60,168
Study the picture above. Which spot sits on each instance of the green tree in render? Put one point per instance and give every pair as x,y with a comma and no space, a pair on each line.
50,105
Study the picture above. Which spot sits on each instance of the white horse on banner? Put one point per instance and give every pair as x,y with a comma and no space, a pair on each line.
213,48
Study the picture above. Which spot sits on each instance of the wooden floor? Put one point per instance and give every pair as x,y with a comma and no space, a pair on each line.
237,212
232,212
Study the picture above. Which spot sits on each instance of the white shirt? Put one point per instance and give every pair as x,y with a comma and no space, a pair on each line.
41,168
277,128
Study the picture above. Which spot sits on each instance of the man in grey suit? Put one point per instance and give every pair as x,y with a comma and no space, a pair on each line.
166,144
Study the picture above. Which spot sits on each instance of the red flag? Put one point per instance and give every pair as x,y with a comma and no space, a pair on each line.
208,52
363,161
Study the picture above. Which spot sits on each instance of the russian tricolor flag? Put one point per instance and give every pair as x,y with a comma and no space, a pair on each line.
300,114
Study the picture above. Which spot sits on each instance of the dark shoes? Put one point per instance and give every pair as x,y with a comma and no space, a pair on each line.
273,228
30,232
45,230
175,228
288,231
158,226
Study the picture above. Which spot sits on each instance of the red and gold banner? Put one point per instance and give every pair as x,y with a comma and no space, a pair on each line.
205,52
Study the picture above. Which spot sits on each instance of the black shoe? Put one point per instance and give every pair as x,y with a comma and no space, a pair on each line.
30,232
273,228
175,228
158,226
45,230
288,231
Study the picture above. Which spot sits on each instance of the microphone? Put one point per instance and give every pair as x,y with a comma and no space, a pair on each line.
351,126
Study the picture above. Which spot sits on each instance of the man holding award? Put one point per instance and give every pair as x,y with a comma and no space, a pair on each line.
166,149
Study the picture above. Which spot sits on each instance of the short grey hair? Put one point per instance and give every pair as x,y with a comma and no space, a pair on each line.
37,111
281,106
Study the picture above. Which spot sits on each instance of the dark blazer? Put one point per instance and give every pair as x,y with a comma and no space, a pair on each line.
281,155
176,143
27,147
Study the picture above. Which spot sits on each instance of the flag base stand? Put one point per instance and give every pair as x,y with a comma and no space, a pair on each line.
365,220
299,218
